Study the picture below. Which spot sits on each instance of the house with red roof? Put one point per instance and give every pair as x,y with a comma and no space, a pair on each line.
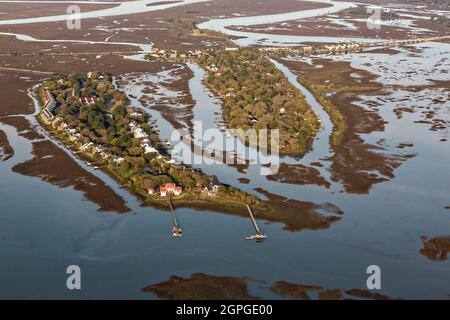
170,189
62,126
221,70
88,100
50,104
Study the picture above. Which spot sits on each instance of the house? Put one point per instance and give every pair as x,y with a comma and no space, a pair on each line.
154,52
88,100
97,149
139,134
47,97
221,70
135,114
170,188
151,190
162,191
231,48
149,149
49,101
62,126
212,189
178,190
86,146
119,160
105,155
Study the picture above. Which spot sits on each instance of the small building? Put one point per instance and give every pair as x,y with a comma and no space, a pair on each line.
178,190
170,189
151,190
86,146
119,160
170,186
62,126
212,189
139,133
88,100
50,104
162,191
221,70
149,149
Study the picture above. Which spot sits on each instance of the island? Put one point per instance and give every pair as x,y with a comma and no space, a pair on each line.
256,95
94,119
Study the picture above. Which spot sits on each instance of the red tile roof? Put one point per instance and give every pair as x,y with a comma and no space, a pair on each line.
88,100
47,96
170,185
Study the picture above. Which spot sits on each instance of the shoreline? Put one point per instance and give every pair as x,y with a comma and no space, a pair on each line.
186,199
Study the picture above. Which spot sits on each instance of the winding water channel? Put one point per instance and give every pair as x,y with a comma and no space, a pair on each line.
121,254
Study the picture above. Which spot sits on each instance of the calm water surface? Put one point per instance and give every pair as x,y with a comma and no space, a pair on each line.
43,228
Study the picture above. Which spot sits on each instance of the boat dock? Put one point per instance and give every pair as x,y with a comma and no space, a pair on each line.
259,236
176,230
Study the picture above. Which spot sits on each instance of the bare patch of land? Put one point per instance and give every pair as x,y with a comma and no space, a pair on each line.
167,92
306,292
397,24
299,174
6,151
201,287
15,86
21,10
158,27
436,248
356,164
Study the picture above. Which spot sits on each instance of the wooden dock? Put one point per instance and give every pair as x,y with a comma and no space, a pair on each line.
259,236
176,230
